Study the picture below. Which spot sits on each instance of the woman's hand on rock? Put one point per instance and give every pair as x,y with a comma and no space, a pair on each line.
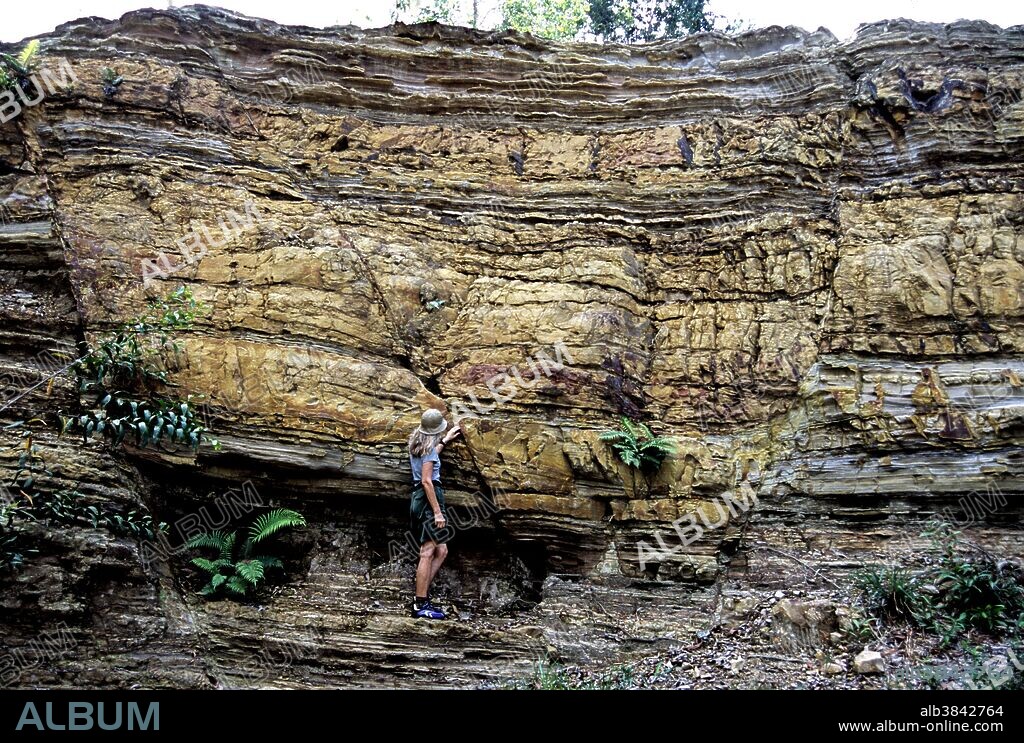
455,432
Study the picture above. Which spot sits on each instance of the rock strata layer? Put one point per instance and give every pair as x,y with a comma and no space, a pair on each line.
800,259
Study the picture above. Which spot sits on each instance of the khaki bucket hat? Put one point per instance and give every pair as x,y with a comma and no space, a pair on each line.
432,422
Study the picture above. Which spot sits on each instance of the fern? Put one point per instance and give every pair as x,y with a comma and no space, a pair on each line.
22,65
28,55
203,564
227,549
251,570
212,539
638,447
632,429
234,573
237,586
272,522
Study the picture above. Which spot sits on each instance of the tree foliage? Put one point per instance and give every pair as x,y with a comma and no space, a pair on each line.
628,21
634,21
562,20
450,12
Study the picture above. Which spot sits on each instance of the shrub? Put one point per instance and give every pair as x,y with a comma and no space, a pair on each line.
969,589
125,372
894,593
976,590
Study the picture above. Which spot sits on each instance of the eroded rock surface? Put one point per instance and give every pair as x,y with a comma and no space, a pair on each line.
801,259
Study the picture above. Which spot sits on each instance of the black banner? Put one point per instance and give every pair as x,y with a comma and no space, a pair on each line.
677,715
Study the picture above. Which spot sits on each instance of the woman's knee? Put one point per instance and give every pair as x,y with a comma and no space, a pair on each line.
441,551
428,550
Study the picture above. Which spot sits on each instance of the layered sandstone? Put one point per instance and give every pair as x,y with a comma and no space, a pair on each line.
799,258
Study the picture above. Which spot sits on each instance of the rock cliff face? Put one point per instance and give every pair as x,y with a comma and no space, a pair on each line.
803,260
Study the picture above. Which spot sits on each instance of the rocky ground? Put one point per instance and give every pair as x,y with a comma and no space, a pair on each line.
824,638
746,656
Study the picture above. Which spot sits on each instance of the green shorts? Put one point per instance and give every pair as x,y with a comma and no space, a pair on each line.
421,517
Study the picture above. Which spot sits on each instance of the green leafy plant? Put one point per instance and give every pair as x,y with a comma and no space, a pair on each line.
131,523
111,82
129,359
894,593
630,21
71,507
60,507
638,447
15,71
126,373
134,352
635,21
33,497
31,464
968,590
975,589
155,421
424,11
551,19
235,571
860,628
17,498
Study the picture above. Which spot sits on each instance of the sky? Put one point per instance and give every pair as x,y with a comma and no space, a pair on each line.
20,18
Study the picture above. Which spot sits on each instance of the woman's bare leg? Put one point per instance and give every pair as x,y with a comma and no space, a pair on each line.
425,570
440,552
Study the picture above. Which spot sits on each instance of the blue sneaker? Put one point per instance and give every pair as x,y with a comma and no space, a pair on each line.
426,610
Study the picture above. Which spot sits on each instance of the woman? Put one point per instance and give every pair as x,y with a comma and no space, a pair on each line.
428,521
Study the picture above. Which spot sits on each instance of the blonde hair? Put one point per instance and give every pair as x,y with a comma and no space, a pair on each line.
421,443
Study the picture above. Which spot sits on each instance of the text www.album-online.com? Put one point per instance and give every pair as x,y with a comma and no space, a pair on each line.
941,726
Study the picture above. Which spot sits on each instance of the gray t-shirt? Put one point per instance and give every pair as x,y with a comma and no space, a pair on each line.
417,466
